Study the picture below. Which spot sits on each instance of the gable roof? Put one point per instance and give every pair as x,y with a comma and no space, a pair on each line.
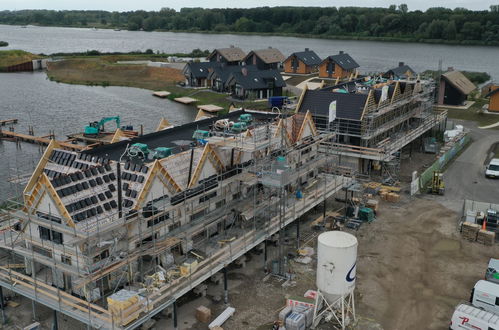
257,79
268,55
344,60
231,54
309,57
225,71
348,106
400,71
200,69
459,81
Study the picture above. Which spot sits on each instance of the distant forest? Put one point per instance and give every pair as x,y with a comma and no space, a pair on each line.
395,23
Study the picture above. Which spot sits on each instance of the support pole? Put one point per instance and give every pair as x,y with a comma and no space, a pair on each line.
226,286
4,320
174,316
34,309
297,233
265,254
55,325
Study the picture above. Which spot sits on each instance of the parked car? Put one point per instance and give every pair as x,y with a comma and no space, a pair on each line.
492,170
472,318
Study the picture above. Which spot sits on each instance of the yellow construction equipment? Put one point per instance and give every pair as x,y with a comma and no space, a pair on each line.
437,186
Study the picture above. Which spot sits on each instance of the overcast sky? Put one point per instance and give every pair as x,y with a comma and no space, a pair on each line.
125,5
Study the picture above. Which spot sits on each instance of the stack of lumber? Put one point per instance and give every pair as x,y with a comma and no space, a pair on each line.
125,305
470,231
203,314
389,196
486,237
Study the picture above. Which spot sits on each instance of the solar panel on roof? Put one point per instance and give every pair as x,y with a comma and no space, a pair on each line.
140,178
85,185
112,176
134,194
93,212
99,209
100,169
108,194
125,186
80,175
94,199
60,193
92,183
128,193
113,204
99,180
102,197
127,165
133,177
112,187
107,207
106,178
145,169
107,167
88,173
93,170
79,187
74,177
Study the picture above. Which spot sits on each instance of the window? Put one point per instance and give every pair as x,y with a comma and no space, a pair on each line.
103,255
236,196
50,235
198,215
174,226
66,260
220,203
207,197
306,151
157,220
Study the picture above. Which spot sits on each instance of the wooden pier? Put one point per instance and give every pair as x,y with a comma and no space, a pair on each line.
8,121
40,140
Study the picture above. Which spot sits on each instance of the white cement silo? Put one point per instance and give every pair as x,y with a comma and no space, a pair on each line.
336,264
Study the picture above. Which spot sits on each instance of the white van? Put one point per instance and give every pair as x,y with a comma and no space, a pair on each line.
486,295
472,318
492,170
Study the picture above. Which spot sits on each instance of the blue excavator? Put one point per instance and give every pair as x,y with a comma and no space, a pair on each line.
95,128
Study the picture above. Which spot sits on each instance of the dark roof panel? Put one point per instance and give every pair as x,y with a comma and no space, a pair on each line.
200,69
344,60
309,57
400,71
348,106
257,79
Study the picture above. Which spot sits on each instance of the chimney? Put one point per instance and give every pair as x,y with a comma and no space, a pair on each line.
401,63
244,71
306,49
341,52
450,68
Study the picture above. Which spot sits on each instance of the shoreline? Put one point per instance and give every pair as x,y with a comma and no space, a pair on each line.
473,43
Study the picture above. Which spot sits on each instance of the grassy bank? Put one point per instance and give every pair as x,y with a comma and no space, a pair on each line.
14,57
475,113
105,71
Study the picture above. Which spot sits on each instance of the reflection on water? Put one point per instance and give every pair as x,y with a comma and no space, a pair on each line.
64,109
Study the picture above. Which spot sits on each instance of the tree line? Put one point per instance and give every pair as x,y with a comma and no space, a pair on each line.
397,23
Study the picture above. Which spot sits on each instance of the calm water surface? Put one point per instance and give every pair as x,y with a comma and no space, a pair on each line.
372,56
64,109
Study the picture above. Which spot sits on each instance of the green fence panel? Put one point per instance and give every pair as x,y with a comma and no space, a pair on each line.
442,161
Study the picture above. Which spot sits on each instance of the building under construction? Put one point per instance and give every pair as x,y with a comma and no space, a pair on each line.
373,119
114,235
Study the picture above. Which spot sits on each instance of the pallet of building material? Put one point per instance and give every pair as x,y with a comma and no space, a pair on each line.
470,231
203,314
372,204
486,237
393,197
383,194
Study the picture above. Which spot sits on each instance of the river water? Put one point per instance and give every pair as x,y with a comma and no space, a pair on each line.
46,105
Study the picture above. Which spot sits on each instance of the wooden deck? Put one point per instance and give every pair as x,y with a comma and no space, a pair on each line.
7,122
185,100
161,94
40,140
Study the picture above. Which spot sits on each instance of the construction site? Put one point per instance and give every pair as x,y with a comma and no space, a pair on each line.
233,221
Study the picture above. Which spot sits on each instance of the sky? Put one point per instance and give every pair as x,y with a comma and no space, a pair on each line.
127,5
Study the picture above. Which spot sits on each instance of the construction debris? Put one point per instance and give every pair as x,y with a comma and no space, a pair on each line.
224,316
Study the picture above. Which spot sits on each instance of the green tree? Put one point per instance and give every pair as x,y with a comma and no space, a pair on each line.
403,8
450,31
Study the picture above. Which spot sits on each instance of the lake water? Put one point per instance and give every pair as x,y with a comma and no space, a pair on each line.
46,105
372,56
